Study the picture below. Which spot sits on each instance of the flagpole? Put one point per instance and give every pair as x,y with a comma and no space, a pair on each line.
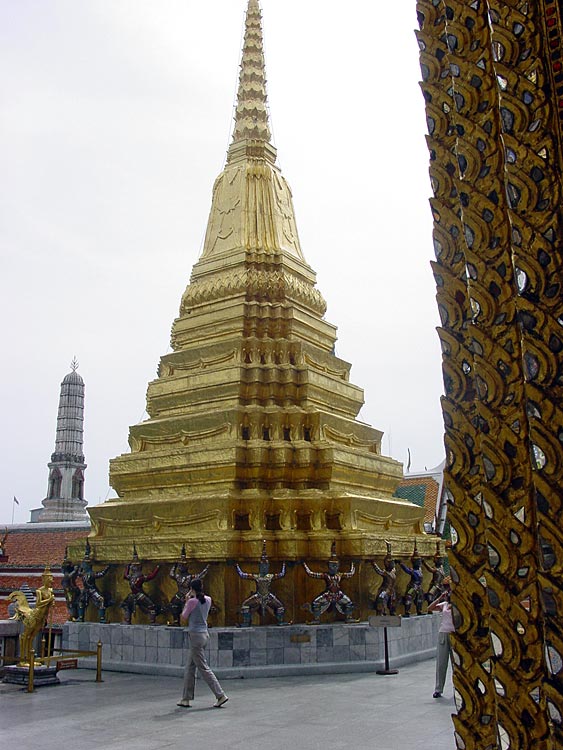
13,509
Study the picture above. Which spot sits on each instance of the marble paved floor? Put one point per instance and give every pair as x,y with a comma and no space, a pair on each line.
328,712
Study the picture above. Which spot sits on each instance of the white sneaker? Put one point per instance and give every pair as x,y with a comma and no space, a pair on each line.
183,703
221,700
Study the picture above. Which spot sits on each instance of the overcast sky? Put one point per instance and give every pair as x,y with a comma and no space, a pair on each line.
115,122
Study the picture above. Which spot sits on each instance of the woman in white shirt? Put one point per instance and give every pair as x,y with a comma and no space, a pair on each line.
195,612
444,648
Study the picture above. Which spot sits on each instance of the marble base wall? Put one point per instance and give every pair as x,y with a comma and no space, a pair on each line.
257,651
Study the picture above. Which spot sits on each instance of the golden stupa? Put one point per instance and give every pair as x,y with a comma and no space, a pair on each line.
252,432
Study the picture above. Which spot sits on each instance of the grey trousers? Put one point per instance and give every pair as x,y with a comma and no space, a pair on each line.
196,660
443,655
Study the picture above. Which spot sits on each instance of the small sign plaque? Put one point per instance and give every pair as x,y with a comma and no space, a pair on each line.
67,664
300,638
384,621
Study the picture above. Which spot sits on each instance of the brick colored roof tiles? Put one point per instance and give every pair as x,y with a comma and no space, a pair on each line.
27,551
11,581
42,547
59,616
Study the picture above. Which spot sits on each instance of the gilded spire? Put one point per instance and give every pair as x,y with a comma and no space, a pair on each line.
251,117
252,212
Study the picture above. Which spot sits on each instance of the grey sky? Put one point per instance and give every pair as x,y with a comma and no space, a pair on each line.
116,119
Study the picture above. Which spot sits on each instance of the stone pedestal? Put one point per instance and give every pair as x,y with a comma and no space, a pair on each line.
257,651
42,675
9,635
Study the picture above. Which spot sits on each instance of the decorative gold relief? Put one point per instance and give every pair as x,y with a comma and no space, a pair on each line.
338,372
199,364
139,444
254,283
210,520
347,439
363,519
182,438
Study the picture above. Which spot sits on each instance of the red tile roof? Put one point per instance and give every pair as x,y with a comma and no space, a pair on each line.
43,546
27,550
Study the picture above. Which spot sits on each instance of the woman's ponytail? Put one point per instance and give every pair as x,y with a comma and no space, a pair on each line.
197,587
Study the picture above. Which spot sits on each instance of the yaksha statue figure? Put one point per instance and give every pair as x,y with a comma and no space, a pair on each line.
70,587
332,597
90,593
436,587
386,598
134,574
414,591
262,599
180,573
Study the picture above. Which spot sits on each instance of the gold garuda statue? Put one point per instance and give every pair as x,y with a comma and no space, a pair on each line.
33,618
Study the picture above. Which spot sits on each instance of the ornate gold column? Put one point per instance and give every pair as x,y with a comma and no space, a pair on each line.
490,80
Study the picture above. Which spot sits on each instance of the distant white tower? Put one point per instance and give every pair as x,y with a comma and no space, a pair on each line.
65,492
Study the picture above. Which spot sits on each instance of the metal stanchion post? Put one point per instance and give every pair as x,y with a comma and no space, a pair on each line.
386,670
50,639
385,621
31,669
99,662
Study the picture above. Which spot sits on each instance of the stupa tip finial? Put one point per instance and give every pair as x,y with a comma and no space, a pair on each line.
251,114
74,364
